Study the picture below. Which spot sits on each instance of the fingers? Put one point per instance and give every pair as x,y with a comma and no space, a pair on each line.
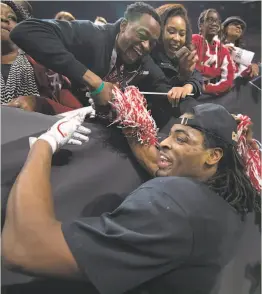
79,113
255,70
74,142
92,103
183,57
230,48
188,61
192,56
169,94
185,93
192,67
195,59
78,139
86,110
82,113
84,130
174,95
15,103
81,137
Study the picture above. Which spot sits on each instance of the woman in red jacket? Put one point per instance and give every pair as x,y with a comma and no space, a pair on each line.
214,62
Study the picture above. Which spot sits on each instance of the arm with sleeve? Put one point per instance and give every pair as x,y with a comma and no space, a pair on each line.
148,235
54,44
196,80
227,75
206,71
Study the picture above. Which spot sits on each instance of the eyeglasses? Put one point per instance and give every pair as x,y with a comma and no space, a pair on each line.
211,20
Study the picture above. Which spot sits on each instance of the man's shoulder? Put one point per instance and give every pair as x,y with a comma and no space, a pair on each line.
163,181
103,33
173,186
182,192
193,197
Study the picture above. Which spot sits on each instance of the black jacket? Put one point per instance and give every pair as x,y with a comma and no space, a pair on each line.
71,48
171,71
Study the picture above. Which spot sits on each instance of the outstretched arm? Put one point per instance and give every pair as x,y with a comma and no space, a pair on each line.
32,240
31,232
55,44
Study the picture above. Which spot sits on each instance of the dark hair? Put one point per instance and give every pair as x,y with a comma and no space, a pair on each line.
201,20
170,10
137,9
20,9
238,43
230,181
203,16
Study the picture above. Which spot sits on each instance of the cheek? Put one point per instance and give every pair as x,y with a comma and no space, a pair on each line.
166,35
125,40
232,30
192,159
183,40
131,39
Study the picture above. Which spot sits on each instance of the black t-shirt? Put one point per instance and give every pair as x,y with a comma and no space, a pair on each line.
171,235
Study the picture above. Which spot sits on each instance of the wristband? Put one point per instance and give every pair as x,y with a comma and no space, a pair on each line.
99,89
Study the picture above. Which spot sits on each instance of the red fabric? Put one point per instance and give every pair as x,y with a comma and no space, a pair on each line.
214,62
132,113
68,102
56,97
249,152
245,73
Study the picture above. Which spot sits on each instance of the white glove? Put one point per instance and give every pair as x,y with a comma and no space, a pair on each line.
69,113
67,130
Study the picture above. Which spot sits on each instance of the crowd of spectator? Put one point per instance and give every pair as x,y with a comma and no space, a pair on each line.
207,66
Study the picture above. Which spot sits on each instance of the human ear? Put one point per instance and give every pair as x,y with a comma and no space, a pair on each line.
214,155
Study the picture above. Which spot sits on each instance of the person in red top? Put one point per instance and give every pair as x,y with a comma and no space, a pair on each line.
214,62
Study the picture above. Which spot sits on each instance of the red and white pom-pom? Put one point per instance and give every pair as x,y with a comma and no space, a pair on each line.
249,151
131,110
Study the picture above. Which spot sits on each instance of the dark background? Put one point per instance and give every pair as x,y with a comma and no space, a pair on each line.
250,11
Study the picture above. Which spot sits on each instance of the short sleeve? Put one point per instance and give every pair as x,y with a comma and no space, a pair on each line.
146,236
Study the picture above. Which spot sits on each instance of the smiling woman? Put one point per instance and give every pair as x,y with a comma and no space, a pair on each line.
179,70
